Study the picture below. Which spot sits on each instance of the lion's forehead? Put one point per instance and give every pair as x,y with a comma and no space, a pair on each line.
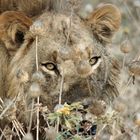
61,28
76,52
69,38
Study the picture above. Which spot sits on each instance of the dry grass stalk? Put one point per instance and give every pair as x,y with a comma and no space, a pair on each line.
31,116
19,127
17,131
2,133
37,125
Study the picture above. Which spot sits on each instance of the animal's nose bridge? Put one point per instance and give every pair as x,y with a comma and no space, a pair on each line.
83,68
68,69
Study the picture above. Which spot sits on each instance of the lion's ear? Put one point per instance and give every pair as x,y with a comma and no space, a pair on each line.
104,22
20,25
14,26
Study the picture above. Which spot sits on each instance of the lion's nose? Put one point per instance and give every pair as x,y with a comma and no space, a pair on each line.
83,68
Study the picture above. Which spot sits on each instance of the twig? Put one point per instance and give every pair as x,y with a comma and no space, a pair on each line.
2,133
36,46
1,107
57,126
99,132
12,131
113,131
60,99
61,88
31,116
37,127
1,101
127,84
19,127
16,130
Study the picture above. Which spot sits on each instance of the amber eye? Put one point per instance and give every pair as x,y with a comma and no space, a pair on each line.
49,65
94,60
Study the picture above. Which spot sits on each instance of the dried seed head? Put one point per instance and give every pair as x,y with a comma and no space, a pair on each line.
98,108
11,112
126,46
34,90
58,106
120,106
38,28
28,136
38,77
89,8
134,68
51,133
22,76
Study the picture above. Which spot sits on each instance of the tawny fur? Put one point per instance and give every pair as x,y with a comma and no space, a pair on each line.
34,8
29,7
4,61
104,27
13,27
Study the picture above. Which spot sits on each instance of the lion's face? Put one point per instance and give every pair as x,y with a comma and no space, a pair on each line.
67,54
62,52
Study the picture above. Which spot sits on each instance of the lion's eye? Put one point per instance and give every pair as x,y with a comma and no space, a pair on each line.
94,60
49,65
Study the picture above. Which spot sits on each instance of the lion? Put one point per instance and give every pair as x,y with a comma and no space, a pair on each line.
62,54
72,48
